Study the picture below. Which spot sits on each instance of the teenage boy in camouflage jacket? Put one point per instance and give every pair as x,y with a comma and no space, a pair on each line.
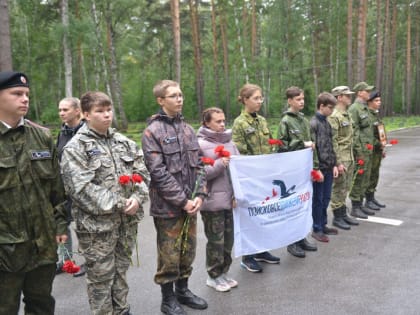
106,208
294,132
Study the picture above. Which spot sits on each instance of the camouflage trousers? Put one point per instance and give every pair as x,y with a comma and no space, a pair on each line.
36,286
374,174
361,181
218,227
341,186
172,263
108,257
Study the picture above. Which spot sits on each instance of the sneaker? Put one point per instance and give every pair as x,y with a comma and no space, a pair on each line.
330,231
219,284
251,264
231,282
267,257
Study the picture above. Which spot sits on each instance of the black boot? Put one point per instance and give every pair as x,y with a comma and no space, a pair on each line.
356,211
369,202
376,202
338,220
349,220
170,304
185,296
366,210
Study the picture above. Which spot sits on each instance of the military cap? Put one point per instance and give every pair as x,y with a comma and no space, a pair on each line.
374,95
9,79
340,90
363,86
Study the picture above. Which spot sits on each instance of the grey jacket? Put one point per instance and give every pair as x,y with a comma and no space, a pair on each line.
220,192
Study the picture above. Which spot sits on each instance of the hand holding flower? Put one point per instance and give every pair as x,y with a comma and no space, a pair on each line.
131,206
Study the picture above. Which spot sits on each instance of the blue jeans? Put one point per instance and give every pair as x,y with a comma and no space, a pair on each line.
320,199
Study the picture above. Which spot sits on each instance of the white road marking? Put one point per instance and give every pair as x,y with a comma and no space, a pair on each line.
383,220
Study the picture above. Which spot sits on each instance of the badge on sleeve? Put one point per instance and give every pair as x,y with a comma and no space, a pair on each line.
40,155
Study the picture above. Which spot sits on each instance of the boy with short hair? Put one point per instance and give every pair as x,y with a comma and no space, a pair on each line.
96,164
177,191
326,163
294,132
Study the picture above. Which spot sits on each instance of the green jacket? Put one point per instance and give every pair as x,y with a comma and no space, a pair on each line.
294,130
362,129
341,125
251,134
32,195
376,120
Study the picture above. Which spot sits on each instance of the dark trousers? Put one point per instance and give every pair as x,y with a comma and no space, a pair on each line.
36,287
320,199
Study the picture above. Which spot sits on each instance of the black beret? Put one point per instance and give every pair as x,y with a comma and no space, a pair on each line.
374,95
9,79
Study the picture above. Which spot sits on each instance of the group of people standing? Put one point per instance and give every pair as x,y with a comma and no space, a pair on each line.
105,179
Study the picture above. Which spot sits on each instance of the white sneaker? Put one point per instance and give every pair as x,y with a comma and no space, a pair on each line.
219,284
231,282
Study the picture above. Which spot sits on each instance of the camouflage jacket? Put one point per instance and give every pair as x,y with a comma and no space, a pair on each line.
294,130
172,157
341,125
92,165
31,194
362,129
376,121
322,135
251,134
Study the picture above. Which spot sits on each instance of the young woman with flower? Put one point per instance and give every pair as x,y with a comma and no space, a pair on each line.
216,212
251,135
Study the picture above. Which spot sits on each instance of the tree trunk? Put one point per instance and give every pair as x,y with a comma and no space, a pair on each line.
361,41
68,71
115,82
241,47
101,50
176,30
254,42
417,75
379,45
223,31
5,47
408,63
215,54
392,61
197,55
349,42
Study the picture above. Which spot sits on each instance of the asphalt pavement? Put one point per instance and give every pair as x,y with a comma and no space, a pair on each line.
372,269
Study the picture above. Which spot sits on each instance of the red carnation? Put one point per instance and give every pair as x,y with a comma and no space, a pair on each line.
393,141
136,178
369,146
315,175
360,172
219,149
275,142
70,267
124,179
361,162
224,154
207,161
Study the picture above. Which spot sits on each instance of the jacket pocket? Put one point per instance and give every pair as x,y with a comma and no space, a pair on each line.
364,121
172,155
193,156
41,163
8,173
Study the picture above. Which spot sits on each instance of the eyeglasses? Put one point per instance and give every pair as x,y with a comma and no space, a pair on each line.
258,99
174,96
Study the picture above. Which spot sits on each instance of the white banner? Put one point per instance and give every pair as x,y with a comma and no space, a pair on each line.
274,200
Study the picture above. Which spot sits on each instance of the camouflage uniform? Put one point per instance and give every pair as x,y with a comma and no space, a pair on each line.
31,197
216,210
172,157
377,153
251,134
341,125
363,135
91,165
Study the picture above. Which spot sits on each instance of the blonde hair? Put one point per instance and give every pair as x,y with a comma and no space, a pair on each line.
160,87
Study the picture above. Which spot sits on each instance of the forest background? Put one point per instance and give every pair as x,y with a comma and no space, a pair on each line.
123,47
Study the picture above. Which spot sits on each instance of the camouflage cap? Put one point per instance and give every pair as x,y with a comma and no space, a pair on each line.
363,86
374,95
9,79
340,90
